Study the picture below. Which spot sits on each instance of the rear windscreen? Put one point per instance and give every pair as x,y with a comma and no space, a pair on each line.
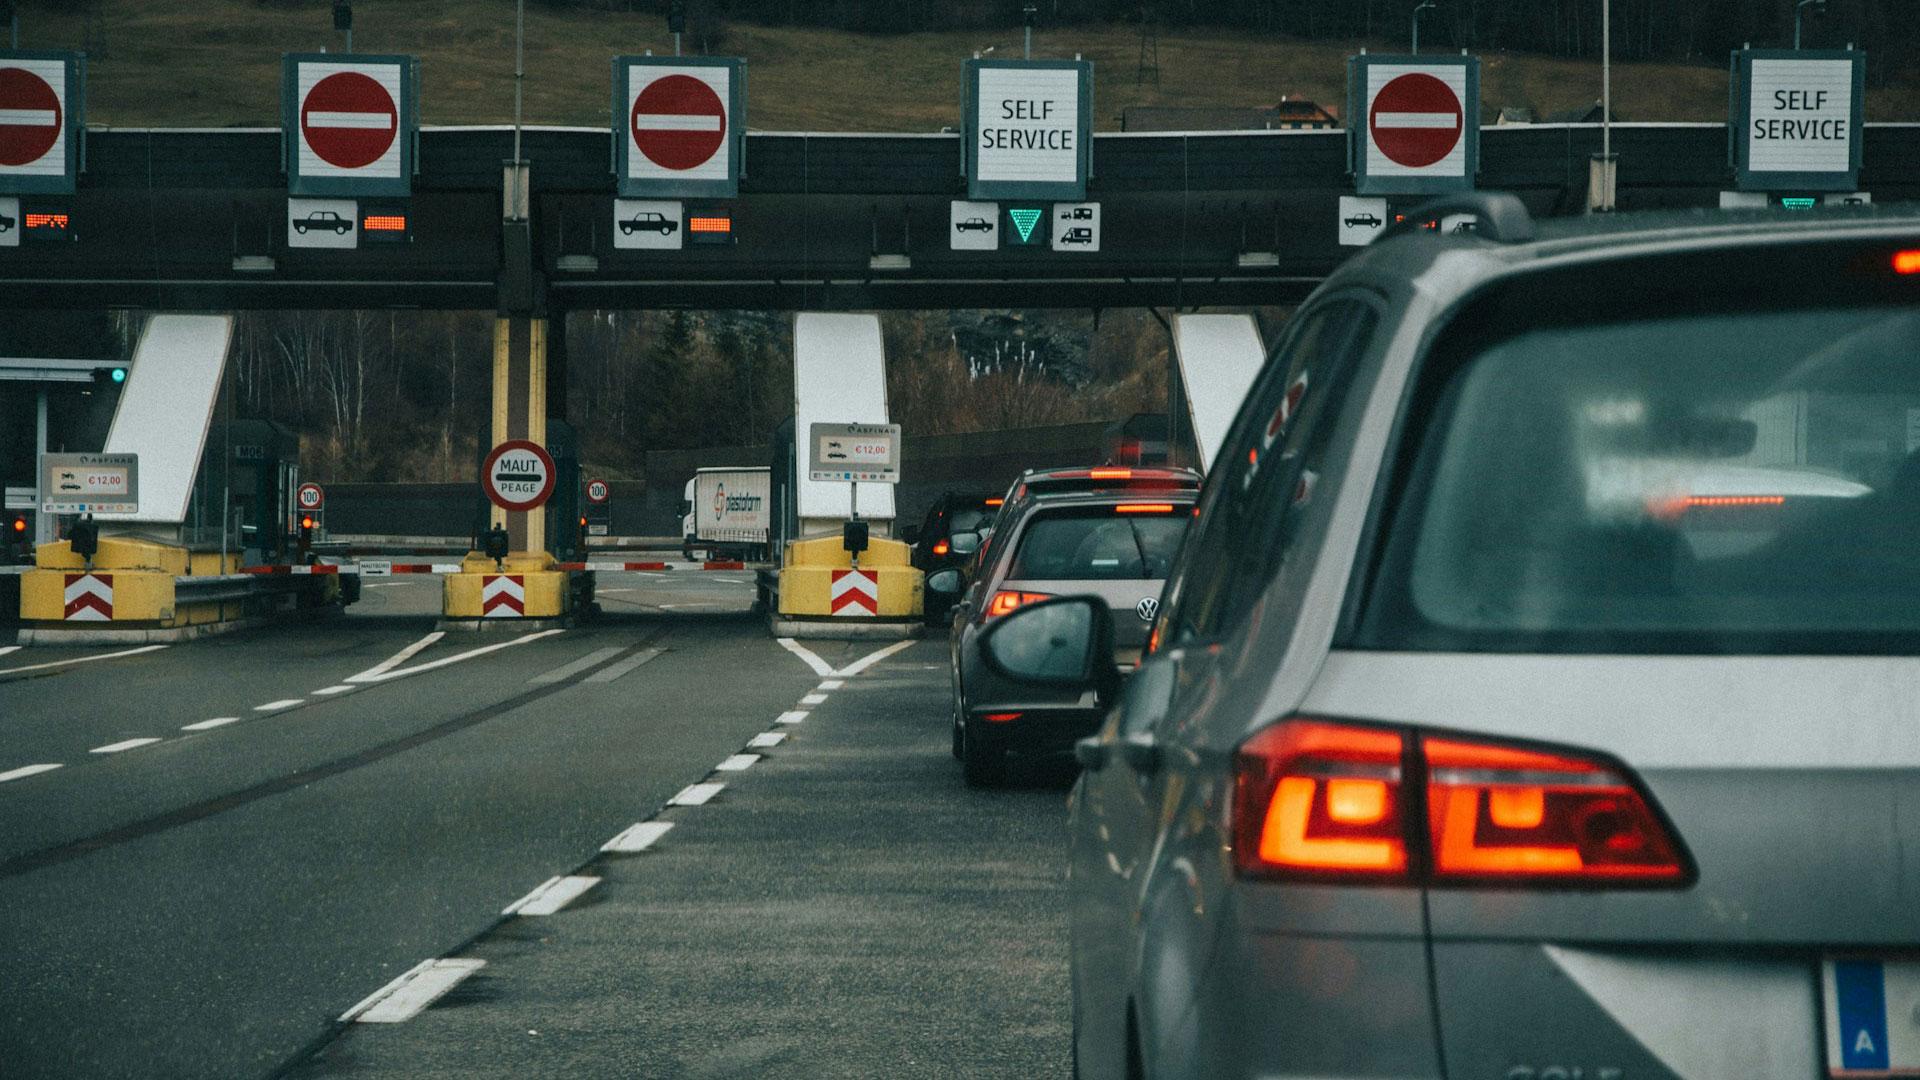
1743,480
1099,545
969,521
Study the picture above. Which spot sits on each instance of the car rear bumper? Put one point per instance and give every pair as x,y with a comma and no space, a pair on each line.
1034,730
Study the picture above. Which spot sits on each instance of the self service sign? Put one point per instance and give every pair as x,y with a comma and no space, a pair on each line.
1029,129
1797,118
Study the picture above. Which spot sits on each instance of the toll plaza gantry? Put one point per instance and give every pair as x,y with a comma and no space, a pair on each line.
678,207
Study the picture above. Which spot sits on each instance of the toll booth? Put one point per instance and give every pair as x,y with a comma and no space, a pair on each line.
252,468
564,534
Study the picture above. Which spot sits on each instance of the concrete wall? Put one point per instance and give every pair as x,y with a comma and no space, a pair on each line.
984,461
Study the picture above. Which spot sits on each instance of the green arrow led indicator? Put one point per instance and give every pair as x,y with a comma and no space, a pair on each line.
1797,203
1024,221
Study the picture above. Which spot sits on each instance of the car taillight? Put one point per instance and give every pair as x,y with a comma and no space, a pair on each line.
1143,508
940,547
1906,262
1004,602
1500,812
1320,800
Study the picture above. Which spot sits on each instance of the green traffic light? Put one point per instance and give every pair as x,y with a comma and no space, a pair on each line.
1797,202
119,375
1023,222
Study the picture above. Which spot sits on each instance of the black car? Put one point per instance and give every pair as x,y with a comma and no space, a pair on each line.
933,548
649,221
1369,220
975,224
6,223
323,221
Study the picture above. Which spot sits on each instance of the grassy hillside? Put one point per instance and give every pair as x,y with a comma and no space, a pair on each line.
216,63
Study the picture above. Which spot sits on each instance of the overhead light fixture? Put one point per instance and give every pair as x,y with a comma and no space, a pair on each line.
890,262
577,264
253,264
1257,260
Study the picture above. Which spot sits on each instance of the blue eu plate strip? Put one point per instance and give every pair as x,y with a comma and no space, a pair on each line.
1860,998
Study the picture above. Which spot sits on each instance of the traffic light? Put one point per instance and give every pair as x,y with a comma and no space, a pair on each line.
109,378
17,541
342,15
306,537
496,544
676,16
1026,226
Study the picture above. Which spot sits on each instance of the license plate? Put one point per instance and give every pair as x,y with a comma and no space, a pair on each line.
1872,1016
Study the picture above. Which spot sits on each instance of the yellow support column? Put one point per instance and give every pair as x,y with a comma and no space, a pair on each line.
524,587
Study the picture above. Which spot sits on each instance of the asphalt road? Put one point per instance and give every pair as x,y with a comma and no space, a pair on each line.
325,807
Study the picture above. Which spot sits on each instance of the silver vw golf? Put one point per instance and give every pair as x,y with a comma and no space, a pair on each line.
1537,696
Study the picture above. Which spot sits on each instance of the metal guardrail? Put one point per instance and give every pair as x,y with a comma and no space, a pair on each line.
213,588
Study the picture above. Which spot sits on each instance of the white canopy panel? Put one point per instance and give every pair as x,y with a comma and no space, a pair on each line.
165,409
1219,357
839,377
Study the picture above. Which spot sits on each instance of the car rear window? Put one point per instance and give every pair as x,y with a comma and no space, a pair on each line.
1710,481
969,521
1099,544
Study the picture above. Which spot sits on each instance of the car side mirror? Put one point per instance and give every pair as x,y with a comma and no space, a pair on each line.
964,543
947,582
1067,643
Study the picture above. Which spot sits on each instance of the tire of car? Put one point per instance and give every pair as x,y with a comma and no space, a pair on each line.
300,227
953,722
982,764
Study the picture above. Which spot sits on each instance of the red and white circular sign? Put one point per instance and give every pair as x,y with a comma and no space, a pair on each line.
1415,120
311,497
349,120
598,492
518,475
30,117
678,122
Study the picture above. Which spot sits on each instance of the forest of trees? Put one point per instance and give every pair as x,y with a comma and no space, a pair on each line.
404,396
1642,29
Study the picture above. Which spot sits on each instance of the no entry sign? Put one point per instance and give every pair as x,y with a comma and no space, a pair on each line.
40,121
678,125
518,475
349,125
1421,133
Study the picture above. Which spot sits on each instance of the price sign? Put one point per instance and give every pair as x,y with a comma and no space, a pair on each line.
854,452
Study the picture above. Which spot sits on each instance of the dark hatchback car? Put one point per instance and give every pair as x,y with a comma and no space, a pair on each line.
969,514
1058,537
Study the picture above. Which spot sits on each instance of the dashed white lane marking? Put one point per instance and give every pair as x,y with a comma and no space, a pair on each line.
820,667
831,684
624,667
207,725
638,838
433,665
82,659
738,763
555,894
873,658
696,794
766,740
404,998
25,771
793,717
569,670
814,699
397,659
5,649
276,706
613,590
329,691
124,744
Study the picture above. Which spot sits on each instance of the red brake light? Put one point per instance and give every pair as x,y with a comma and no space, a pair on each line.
1906,262
1004,602
1144,508
1321,800
1000,717
1313,799
1110,474
1502,812
941,547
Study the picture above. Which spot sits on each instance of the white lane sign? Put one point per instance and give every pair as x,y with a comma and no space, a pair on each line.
9,222
1361,219
349,124
311,497
89,483
39,120
678,125
975,226
1421,133
1076,226
518,475
1029,128
598,492
649,224
1799,119
323,223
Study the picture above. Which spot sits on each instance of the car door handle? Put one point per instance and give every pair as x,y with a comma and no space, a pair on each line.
1142,753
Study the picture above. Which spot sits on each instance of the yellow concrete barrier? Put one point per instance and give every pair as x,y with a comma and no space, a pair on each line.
817,579
130,584
524,586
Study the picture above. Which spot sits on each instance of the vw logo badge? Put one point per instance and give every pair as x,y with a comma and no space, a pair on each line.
1147,608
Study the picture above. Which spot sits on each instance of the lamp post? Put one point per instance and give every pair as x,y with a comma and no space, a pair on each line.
1424,5
1819,8
343,20
1027,15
